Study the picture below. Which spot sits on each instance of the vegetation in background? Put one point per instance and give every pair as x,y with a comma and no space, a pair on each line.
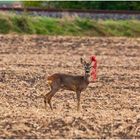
98,5
74,26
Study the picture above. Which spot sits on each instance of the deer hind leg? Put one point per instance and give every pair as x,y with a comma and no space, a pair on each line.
49,95
78,94
73,97
46,98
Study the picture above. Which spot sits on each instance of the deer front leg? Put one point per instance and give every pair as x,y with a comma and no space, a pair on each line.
78,93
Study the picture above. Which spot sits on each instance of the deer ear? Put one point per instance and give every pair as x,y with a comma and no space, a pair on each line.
82,61
90,62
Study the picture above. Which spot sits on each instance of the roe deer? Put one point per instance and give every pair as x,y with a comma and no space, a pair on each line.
69,82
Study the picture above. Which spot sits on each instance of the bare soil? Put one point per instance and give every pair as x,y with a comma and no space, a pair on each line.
110,107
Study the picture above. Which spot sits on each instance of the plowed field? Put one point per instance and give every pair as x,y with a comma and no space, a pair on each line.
110,107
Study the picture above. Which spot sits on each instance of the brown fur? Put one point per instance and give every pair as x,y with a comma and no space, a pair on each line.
68,82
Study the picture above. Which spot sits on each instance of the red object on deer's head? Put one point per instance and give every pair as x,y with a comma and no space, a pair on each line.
93,72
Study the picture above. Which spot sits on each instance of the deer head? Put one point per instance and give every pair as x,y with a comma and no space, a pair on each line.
87,66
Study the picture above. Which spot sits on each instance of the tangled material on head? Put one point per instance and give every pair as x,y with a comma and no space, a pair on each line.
94,67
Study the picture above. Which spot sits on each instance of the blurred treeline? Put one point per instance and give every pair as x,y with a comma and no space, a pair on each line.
92,5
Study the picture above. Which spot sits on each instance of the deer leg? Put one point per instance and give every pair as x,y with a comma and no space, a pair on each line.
78,93
49,96
73,97
46,98
49,99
